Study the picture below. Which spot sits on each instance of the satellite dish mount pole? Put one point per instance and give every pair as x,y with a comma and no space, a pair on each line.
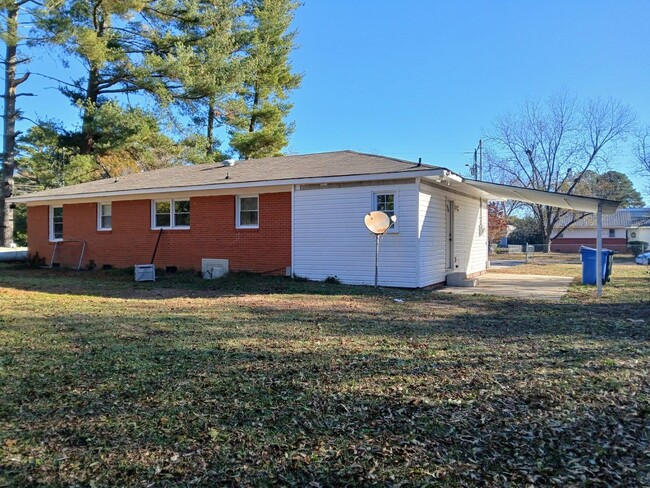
377,236
378,223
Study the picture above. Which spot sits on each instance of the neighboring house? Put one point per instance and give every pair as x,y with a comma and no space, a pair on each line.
295,215
619,228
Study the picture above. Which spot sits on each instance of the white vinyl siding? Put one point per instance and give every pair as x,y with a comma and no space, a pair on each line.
432,236
330,238
642,234
470,244
587,233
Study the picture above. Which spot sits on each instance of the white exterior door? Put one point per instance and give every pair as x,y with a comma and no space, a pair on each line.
451,258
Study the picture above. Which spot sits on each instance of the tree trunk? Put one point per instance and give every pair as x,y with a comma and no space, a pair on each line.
256,101
210,132
9,130
87,122
92,90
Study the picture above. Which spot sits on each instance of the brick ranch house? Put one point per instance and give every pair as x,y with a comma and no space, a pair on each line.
294,215
621,227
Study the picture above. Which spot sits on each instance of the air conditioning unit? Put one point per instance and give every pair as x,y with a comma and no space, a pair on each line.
213,268
145,272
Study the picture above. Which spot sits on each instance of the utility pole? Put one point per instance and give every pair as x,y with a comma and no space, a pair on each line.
476,170
480,159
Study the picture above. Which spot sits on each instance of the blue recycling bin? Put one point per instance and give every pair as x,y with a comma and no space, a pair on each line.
588,258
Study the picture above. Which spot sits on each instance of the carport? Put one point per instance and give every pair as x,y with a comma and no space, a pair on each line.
599,206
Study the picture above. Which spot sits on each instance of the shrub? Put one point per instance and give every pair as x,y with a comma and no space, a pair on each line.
35,260
637,247
332,280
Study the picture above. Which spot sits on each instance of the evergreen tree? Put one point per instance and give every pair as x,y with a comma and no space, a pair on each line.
115,40
128,141
612,185
206,62
256,114
43,160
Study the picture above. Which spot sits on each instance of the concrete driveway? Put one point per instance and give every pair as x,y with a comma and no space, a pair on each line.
549,288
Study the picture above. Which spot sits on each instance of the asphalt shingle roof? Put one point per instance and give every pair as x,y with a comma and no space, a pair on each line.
329,164
622,218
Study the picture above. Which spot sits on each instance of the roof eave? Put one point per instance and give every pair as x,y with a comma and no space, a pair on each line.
413,173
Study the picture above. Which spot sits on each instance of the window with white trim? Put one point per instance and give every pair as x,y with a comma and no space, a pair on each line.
170,214
386,202
612,232
248,212
56,223
104,216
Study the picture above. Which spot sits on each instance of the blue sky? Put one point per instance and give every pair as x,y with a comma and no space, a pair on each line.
418,78
428,78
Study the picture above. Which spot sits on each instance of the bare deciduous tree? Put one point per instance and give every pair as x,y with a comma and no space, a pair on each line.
549,146
642,153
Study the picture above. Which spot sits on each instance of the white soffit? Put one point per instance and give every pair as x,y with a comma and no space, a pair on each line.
562,200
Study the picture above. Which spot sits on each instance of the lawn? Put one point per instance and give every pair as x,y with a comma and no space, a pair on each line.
255,381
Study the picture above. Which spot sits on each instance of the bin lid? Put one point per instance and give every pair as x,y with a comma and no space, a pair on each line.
591,249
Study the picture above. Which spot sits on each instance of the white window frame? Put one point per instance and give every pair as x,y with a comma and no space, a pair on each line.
609,234
51,224
373,205
172,214
99,216
238,223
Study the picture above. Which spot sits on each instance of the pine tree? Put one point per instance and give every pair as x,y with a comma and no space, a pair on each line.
612,185
116,41
256,115
206,62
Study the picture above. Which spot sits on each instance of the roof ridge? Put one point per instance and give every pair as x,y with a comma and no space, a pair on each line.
390,158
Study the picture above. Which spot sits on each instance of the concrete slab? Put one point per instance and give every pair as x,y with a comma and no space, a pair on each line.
530,287
505,263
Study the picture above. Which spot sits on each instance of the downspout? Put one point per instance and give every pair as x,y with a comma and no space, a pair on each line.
293,266
418,231
155,250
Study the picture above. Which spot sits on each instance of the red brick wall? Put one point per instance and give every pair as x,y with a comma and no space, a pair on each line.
212,234
572,244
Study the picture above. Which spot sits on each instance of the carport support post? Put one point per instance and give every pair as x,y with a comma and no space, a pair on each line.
599,249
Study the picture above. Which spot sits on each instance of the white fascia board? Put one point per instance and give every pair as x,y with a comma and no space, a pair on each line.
146,192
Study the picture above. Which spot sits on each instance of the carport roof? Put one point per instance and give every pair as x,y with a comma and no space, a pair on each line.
562,200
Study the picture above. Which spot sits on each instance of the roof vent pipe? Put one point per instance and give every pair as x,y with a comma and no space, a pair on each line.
229,162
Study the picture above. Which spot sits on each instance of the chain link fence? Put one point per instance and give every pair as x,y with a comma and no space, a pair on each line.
554,252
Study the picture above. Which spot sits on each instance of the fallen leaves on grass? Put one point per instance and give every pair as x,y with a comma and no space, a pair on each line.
317,385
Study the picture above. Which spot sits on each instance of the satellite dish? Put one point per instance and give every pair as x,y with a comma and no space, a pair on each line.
378,222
